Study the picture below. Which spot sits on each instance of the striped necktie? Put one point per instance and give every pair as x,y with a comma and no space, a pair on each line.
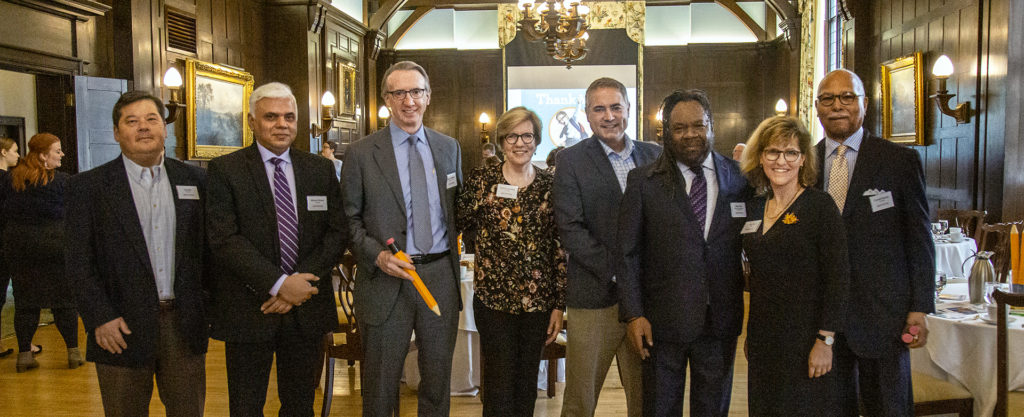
287,221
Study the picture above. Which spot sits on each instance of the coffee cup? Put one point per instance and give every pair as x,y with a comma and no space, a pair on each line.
956,237
993,311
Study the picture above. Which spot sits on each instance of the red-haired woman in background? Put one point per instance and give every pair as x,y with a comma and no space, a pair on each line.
33,238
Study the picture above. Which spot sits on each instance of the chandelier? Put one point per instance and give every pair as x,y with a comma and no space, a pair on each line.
562,28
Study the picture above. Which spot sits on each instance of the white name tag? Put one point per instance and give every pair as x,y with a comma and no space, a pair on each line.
750,227
507,191
881,201
738,209
452,181
316,203
187,192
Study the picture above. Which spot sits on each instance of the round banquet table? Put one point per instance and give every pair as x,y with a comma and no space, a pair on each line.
950,256
962,350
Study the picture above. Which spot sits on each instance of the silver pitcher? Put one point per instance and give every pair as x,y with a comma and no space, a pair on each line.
981,272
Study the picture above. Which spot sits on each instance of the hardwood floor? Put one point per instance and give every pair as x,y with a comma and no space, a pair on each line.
54,390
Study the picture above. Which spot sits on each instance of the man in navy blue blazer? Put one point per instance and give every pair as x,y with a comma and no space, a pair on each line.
680,276
879,188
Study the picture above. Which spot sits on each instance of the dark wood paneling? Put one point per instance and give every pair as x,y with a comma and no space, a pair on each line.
743,81
1013,188
463,84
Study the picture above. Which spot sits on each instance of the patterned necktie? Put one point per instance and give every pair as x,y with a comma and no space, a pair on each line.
422,232
838,177
699,196
287,221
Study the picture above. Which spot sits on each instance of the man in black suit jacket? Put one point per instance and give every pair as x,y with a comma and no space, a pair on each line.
276,229
135,254
680,278
381,202
880,193
589,182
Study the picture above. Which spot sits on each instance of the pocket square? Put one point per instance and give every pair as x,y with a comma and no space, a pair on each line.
872,192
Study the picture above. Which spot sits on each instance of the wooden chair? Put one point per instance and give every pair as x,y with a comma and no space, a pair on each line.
996,238
345,342
935,396
969,220
552,353
1005,400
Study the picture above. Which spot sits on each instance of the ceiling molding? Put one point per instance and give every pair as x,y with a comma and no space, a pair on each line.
385,13
742,15
409,22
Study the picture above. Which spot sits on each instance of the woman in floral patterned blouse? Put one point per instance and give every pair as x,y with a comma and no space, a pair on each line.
520,265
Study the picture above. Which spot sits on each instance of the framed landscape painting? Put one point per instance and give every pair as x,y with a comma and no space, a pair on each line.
903,100
218,105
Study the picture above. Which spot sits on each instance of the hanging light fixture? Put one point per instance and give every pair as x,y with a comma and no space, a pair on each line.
562,28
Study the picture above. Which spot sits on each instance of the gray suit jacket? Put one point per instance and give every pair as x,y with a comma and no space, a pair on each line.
586,198
373,202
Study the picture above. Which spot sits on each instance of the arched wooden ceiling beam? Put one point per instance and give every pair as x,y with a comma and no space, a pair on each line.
407,24
742,15
384,13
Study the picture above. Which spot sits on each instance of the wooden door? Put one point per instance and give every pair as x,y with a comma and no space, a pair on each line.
94,102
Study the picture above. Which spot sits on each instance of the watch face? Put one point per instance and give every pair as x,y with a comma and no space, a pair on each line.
829,340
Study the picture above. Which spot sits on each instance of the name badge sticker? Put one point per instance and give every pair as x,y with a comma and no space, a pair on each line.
316,202
881,201
750,227
738,209
507,191
452,181
187,192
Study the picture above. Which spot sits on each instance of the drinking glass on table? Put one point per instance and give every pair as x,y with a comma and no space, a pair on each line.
990,287
944,225
936,229
940,284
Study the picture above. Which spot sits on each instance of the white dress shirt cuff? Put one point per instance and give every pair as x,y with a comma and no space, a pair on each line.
277,285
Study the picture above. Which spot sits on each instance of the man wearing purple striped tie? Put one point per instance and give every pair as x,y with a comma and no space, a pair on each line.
276,229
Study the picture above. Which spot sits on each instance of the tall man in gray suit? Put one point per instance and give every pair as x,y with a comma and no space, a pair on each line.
401,183
589,183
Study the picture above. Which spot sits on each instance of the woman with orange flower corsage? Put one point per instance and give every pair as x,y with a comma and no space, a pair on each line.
799,278
519,286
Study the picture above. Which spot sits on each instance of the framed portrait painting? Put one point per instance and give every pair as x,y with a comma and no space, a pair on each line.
903,100
218,105
347,87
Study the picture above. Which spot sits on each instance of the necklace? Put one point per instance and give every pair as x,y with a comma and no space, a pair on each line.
768,211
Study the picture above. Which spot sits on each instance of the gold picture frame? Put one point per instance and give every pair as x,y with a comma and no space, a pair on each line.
346,88
218,107
903,100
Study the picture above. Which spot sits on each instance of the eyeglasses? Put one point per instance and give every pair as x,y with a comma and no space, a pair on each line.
512,138
828,99
416,93
773,155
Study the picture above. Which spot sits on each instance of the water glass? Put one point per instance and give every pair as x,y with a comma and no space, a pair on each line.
944,225
990,287
940,284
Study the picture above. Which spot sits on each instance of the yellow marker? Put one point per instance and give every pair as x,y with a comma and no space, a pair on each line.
1015,255
416,280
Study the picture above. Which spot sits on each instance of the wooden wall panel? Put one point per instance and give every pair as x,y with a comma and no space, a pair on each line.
1013,188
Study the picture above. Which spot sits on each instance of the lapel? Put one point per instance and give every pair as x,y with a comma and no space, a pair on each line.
440,170
723,214
302,170
604,167
644,154
122,206
866,158
384,155
177,177
821,165
258,175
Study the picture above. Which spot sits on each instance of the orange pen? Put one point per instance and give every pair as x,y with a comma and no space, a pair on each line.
416,280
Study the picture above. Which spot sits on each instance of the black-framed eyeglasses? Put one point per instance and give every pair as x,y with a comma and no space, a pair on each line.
790,155
512,138
846,99
416,93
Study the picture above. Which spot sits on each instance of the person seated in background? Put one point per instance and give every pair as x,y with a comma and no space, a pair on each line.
488,151
328,152
520,276
737,151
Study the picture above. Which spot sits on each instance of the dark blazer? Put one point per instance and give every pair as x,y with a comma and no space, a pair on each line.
245,248
586,198
892,257
375,208
108,263
669,273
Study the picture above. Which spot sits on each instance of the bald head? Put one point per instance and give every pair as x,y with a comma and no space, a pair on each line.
841,104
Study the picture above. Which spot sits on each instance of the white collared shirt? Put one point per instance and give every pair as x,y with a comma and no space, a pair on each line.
712,182
154,203
289,173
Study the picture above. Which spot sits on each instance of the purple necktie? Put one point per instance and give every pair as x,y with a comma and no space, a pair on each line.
699,196
287,221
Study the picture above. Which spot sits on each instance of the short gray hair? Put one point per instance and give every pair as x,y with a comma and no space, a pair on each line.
403,66
270,90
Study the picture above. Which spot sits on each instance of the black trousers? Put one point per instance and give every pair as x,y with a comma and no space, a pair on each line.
248,366
710,360
882,385
511,345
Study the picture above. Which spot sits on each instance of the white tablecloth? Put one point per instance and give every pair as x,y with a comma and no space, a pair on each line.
964,352
950,256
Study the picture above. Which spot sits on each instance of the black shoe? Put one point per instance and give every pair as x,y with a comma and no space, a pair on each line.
6,353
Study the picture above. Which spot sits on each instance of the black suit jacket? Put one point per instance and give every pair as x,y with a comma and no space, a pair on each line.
892,257
586,198
669,273
109,264
245,248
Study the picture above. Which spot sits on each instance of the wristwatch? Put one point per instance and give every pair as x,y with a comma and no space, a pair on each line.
829,340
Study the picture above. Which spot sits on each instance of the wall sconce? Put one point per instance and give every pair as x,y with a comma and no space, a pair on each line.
660,128
172,80
485,136
383,114
327,101
942,70
781,108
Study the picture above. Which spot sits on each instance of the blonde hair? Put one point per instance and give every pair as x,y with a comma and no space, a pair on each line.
514,117
774,130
